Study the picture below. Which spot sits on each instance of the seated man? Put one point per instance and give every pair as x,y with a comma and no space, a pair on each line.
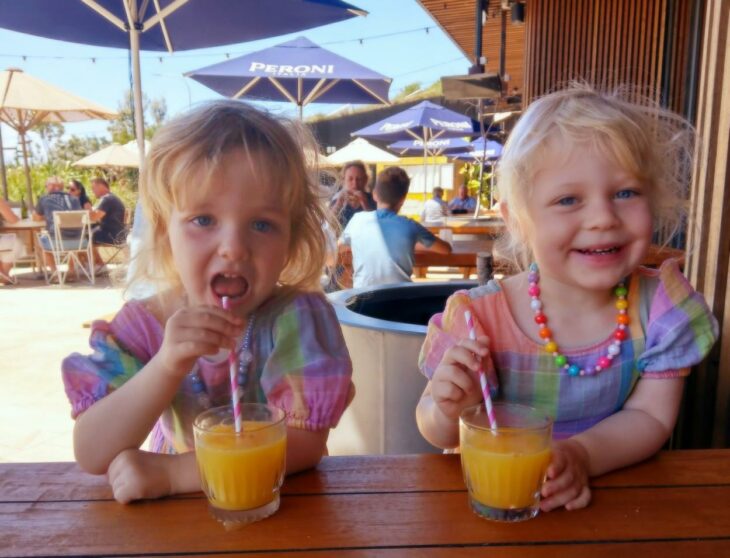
435,209
109,213
382,241
463,203
55,200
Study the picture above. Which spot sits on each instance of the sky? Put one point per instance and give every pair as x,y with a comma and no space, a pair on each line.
391,40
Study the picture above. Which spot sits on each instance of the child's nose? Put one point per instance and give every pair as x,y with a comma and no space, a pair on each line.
603,215
234,245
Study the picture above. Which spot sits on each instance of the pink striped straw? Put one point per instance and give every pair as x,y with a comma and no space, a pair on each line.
233,373
482,376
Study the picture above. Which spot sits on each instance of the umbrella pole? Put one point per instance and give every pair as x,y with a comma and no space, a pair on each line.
425,166
137,90
480,109
28,184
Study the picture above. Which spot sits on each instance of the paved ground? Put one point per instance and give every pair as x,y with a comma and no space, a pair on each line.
39,325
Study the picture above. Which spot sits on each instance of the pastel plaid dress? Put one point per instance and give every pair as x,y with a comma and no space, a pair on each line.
300,364
671,329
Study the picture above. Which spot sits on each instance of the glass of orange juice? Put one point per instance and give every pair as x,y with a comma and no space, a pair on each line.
504,467
241,473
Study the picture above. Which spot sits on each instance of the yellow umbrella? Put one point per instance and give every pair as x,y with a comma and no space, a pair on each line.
26,101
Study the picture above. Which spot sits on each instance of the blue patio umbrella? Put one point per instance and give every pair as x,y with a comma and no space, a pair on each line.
486,149
435,147
298,71
169,25
426,122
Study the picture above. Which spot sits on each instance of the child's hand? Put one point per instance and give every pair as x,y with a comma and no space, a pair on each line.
196,331
567,477
455,383
135,474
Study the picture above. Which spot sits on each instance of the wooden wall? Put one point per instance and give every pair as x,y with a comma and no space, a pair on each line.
607,43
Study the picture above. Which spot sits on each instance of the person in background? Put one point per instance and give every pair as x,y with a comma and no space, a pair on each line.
463,203
76,189
55,200
382,241
353,196
583,333
233,210
11,247
435,209
109,213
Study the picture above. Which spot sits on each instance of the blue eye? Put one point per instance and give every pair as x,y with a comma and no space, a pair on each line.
626,194
202,220
262,226
567,200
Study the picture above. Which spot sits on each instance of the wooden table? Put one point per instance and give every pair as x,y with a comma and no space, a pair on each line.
463,255
32,227
483,227
675,505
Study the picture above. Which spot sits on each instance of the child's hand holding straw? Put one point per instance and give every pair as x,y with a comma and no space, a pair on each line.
455,383
193,332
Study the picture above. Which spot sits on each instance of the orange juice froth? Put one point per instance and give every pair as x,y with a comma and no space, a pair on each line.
241,472
504,471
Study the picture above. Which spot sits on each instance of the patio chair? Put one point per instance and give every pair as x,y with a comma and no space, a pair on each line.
114,253
74,252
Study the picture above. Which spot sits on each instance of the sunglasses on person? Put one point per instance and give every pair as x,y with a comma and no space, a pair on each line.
72,189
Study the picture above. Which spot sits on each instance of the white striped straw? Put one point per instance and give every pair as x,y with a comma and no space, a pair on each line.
233,373
482,376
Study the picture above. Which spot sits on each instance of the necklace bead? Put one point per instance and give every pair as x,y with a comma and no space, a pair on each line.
551,347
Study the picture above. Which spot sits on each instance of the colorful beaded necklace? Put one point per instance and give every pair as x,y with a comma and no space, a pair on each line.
245,357
619,334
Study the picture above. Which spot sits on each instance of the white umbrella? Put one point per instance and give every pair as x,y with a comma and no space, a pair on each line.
113,155
26,101
361,150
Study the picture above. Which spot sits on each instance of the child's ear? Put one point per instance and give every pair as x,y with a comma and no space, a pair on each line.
504,211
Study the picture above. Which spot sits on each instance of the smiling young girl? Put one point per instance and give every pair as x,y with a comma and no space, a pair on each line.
584,333
235,212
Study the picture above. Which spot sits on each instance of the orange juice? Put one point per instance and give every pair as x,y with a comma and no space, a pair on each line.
243,471
505,473
504,465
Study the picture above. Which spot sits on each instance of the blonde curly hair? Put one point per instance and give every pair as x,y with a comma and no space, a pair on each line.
651,143
185,153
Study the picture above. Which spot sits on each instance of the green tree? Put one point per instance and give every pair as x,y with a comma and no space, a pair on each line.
66,151
154,114
50,133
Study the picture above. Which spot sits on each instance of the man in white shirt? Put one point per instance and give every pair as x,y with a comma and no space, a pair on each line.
435,209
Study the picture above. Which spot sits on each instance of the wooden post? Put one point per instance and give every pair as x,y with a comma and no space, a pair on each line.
706,417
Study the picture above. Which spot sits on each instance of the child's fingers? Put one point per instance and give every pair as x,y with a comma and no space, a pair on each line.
208,337
467,353
557,464
446,391
218,319
554,485
583,499
575,496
